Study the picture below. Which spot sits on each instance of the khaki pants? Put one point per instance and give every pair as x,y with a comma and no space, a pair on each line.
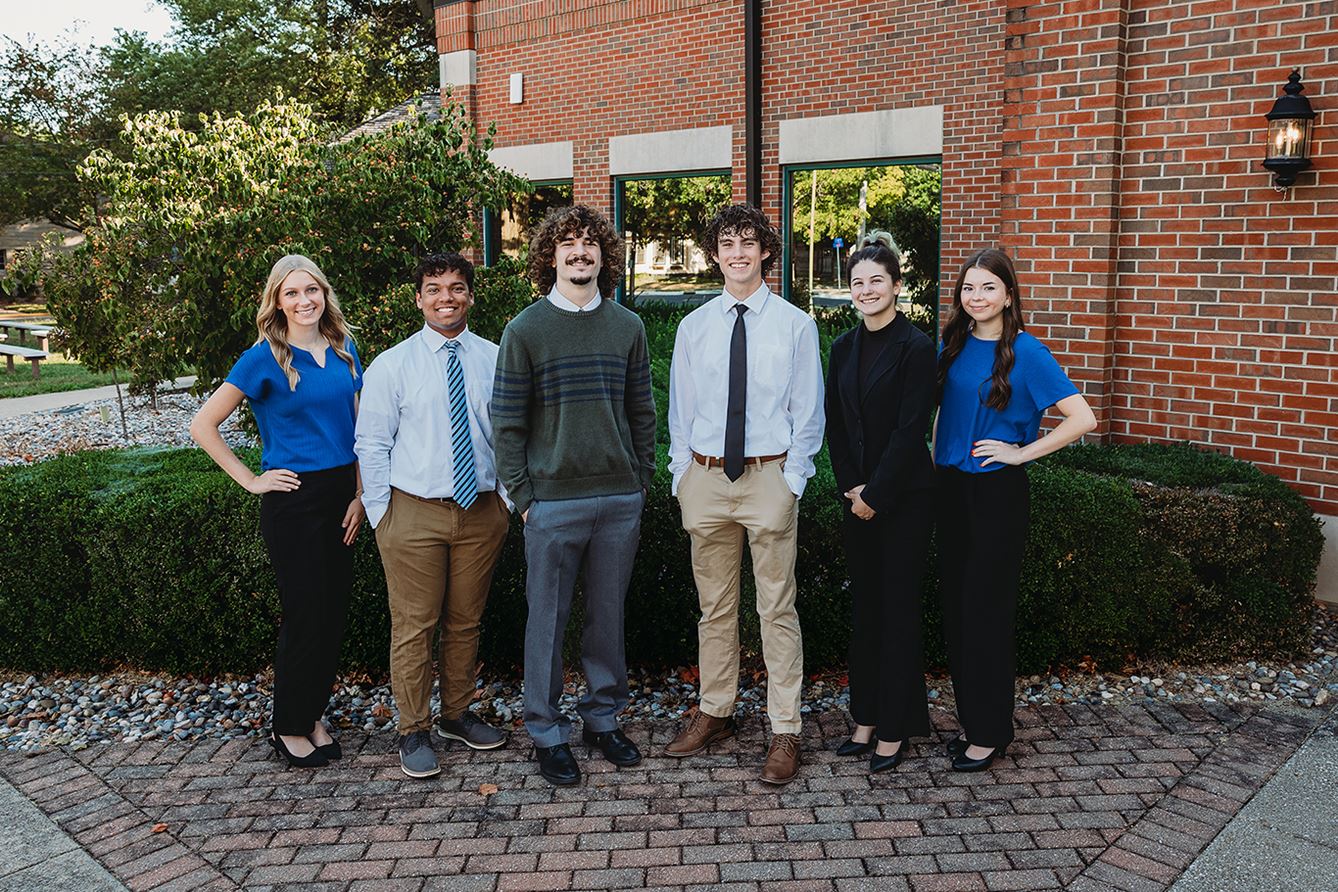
717,514
439,560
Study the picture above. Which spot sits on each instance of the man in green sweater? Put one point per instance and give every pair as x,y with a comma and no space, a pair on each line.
574,432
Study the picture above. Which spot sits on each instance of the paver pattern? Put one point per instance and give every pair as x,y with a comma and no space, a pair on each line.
1088,798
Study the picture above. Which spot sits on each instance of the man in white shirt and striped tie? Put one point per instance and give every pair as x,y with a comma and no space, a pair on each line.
430,487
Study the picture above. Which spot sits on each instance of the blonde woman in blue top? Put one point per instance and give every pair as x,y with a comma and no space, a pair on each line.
302,379
995,382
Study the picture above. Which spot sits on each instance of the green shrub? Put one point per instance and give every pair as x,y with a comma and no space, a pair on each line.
153,559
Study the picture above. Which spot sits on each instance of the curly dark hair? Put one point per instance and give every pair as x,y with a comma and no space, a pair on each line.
436,264
959,325
561,222
744,220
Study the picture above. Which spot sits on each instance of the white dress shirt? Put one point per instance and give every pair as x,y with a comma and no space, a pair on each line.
556,299
403,434
784,403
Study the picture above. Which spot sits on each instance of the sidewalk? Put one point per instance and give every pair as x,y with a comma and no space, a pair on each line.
45,402
1088,798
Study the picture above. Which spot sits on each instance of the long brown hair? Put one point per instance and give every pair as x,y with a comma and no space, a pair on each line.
561,222
959,326
273,325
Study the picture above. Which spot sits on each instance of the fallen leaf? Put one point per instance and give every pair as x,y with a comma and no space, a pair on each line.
159,828
487,789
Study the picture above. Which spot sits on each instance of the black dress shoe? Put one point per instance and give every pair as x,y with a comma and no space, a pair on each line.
557,765
879,763
855,748
957,746
315,759
961,763
615,746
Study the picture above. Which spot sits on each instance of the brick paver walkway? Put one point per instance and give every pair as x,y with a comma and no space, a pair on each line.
1088,799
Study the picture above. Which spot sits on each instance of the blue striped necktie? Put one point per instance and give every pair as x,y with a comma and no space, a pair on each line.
462,445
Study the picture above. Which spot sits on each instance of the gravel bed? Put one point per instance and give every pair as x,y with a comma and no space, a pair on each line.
77,711
28,438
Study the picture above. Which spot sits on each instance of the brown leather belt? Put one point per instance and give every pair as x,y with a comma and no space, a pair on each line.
711,461
432,500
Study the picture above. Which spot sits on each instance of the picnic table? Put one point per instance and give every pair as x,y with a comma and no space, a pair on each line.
11,352
41,332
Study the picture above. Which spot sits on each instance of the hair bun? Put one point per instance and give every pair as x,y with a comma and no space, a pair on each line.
881,237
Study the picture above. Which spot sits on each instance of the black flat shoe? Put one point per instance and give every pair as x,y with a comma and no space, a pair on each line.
855,748
615,746
315,759
956,746
557,765
961,763
879,763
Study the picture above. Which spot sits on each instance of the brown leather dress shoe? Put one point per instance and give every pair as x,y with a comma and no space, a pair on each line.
782,759
701,731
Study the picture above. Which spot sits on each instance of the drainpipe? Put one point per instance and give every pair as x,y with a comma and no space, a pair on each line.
752,29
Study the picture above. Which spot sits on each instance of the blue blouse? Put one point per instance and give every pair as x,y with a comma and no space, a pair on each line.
307,429
963,418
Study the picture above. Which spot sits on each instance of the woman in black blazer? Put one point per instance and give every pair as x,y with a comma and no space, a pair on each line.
880,388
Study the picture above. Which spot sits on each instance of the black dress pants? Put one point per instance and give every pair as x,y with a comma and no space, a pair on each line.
982,532
886,556
314,567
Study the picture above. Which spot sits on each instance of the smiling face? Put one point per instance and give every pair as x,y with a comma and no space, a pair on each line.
874,292
984,298
577,258
302,301
445,300
740,255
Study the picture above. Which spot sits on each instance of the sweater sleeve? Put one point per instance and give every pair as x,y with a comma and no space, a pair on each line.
640,406
512,394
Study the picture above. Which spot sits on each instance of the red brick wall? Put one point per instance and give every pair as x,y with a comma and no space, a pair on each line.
1112,145
1192,300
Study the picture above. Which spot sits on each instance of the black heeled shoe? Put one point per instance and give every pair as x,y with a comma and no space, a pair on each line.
879,763
960,762
332,750
314,759
956,746
855,748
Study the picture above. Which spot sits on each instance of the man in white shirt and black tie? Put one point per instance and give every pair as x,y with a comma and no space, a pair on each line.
745,420
425,448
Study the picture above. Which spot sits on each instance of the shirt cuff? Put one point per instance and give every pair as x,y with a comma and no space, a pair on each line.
375,508
796,482
673,486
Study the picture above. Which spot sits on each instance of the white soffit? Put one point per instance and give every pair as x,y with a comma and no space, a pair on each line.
538,161
458,69
893,133
702,148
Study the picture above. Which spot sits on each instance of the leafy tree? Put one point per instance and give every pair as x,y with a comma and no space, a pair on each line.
902,199
194,219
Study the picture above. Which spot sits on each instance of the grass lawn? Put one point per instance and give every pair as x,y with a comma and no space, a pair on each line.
58,374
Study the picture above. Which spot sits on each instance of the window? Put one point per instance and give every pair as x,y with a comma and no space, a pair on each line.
827,211
662,219
508,231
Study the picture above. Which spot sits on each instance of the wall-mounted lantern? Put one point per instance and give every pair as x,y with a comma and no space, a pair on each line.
1289,126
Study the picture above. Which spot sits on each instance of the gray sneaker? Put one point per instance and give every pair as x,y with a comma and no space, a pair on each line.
416,756
472,731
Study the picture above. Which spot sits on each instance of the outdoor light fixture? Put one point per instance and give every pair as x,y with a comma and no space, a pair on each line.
1289,126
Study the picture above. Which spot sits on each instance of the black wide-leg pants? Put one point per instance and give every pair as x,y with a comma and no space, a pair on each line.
314,567
982,532
886,557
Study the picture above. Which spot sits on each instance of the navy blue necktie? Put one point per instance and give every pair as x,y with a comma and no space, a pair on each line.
738,397
462,444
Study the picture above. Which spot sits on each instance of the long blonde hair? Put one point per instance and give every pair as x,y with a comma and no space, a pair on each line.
273,325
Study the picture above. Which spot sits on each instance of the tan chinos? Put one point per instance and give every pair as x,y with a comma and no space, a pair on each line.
439,560
717,514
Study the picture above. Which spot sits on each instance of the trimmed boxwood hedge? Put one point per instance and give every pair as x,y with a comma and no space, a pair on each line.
152,559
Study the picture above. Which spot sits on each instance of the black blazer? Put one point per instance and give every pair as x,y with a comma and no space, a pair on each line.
876,433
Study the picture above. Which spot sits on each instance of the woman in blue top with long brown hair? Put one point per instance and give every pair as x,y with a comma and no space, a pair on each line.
302,379
995,382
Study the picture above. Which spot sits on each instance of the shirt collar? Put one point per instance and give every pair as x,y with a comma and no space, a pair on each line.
754,302
556,298
435,340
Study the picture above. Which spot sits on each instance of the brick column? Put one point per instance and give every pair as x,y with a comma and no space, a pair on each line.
457,53
1063,132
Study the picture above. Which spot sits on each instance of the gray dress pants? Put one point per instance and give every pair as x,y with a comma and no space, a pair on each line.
595,539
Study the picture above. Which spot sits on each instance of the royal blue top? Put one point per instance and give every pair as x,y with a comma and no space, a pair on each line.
307,429
963,418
